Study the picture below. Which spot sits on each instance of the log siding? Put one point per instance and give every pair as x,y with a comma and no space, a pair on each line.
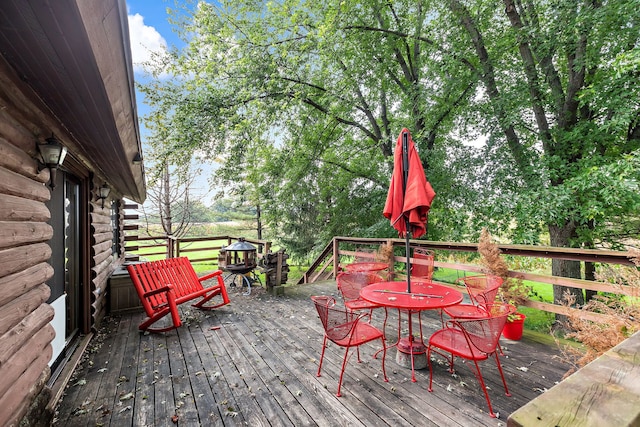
83,94
25,331
101,255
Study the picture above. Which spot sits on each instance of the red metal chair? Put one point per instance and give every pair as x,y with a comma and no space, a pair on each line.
350,284
473,339
482,291
345,328
423,269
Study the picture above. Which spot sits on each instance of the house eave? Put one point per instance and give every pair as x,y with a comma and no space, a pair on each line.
75,57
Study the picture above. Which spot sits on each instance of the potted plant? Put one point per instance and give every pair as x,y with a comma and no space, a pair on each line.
514,327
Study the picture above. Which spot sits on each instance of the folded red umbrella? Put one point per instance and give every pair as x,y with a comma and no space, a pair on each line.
415,201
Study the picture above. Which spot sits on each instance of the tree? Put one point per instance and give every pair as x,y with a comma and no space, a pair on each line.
301,101
168,202
567,110
305,106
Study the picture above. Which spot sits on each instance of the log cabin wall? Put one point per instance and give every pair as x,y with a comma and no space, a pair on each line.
25,329
65,70
26,235
101,253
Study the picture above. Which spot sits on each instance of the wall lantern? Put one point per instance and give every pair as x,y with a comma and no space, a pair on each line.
52,154
137,159
103,193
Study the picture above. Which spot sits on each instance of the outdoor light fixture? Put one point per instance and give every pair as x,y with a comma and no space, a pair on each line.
137,159
52,154
103,193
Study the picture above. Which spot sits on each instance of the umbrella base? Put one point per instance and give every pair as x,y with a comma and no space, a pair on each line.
405,348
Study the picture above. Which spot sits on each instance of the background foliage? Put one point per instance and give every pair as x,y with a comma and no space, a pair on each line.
525,114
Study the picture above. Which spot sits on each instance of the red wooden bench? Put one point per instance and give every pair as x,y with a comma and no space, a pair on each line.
163,285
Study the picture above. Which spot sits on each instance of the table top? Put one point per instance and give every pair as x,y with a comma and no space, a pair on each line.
424,295
366,266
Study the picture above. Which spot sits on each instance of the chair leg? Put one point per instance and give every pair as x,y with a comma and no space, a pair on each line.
384,324
420,325
504,382
384,357
344,365
451,370
324,345
384,334
430,368
484,388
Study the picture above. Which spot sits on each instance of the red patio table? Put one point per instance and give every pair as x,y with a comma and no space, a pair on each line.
424,295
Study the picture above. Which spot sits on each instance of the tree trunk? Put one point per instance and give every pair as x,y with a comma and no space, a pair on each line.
259,220
561,236
166,202
589,274
590,267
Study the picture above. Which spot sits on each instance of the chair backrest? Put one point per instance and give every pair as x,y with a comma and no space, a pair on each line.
337,321
483,289
350,283
484,333
424,267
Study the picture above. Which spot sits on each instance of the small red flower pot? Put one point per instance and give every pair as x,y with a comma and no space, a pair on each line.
513,330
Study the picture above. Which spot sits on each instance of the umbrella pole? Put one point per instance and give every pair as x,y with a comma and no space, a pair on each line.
408,255
405,177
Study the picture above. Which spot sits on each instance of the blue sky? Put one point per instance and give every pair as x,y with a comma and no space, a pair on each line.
148,27
149,30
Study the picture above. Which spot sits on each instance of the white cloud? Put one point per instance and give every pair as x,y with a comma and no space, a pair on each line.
144,41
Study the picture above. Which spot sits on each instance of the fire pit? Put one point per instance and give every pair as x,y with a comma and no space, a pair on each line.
239,259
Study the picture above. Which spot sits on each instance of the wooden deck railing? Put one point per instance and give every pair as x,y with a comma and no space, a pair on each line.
342,250
152,246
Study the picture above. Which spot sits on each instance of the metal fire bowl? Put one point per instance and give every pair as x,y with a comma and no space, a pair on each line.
239,269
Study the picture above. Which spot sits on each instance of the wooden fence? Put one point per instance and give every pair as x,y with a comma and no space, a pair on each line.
166,247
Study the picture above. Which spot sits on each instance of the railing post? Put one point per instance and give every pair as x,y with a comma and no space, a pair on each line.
392,274
170,247
336,257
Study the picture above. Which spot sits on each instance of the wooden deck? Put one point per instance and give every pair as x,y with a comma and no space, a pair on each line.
254,362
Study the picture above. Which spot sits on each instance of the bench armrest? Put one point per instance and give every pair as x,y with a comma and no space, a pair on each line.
160,290
210,275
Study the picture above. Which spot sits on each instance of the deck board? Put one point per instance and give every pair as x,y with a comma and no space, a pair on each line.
254,362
